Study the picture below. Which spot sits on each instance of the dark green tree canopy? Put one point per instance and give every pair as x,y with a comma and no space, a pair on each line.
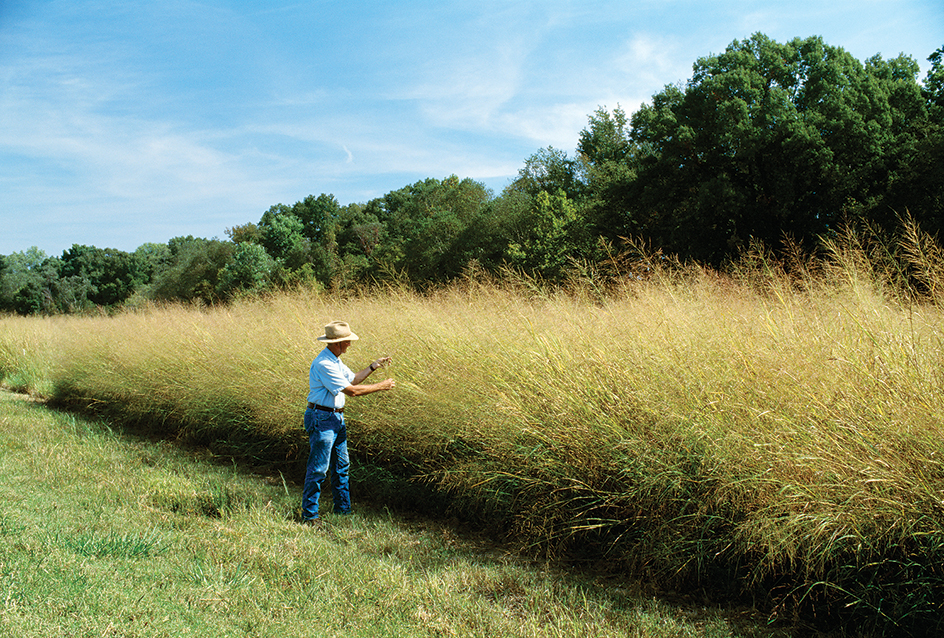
934,84
550,170
250,269
318,216
769,139
422,223
765,141
112,275
194,271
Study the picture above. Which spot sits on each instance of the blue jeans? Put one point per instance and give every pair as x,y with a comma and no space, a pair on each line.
327,436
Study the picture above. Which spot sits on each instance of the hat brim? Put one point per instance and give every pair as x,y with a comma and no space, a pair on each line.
350,337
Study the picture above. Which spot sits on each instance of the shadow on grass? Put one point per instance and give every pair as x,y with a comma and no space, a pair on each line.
385,487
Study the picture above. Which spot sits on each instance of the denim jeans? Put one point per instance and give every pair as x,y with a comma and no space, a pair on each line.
327,436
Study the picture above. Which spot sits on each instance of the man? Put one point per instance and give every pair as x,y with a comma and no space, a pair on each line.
330,381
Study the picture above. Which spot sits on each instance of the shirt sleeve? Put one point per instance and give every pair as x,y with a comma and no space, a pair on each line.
334,378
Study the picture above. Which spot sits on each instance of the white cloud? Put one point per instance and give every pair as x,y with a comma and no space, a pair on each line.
654,61
189,117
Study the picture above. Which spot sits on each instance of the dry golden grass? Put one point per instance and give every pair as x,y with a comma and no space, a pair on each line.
756,430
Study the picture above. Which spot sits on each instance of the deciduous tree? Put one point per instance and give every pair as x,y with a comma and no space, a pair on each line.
771,139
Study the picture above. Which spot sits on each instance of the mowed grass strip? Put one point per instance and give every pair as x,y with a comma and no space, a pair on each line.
105,534
771,434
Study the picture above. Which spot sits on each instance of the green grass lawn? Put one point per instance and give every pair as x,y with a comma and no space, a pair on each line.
106,534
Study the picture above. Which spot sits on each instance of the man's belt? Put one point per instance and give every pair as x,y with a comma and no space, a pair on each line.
315,406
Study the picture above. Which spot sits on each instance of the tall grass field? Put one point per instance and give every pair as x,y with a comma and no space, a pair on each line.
770,435
108,534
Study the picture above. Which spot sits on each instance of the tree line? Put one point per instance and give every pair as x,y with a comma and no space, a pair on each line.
765,141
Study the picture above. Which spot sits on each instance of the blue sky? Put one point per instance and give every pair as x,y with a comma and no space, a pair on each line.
130,122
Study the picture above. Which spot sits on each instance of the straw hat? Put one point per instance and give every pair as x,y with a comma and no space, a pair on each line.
337,331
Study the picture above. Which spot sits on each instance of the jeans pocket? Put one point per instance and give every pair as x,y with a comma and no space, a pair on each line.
328,421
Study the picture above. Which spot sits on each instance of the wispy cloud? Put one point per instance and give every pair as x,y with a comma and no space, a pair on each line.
122,123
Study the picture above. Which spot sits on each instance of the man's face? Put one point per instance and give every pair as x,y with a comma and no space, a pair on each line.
343,346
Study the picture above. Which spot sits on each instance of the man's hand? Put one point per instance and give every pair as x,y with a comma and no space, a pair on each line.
379,363
361,389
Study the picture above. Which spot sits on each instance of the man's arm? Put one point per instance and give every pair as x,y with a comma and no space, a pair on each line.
358,388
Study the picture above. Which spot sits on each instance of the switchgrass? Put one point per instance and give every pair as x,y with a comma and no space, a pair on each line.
105,534
28,353
772,433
